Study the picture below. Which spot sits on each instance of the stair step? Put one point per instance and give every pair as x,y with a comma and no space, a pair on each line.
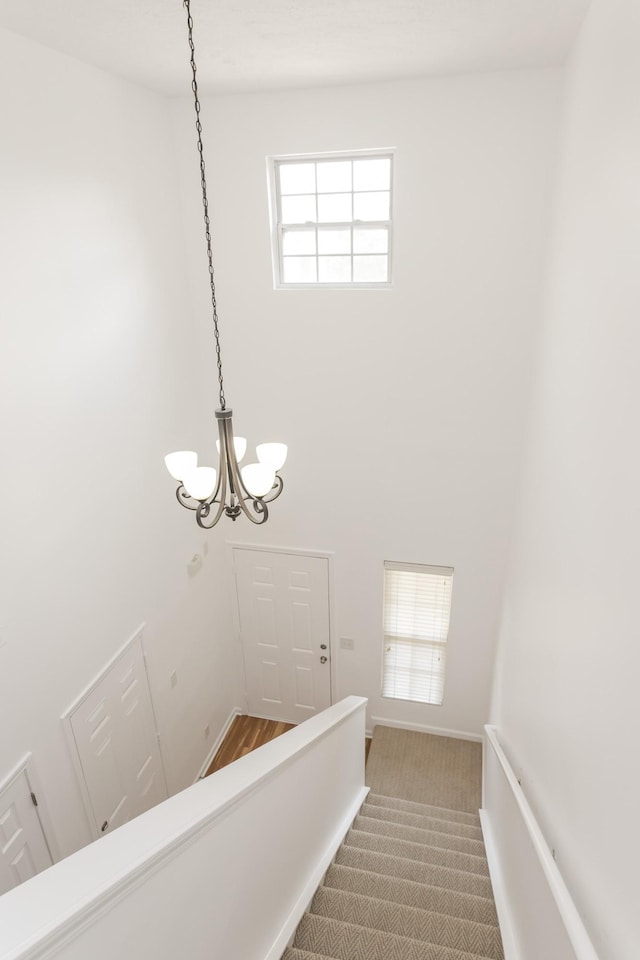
367,855
413,922
410,850
431,838
412,894
348,941
419,820
427,810
292,953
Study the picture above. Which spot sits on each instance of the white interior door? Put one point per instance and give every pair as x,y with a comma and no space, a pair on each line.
283,605
115,737
23,848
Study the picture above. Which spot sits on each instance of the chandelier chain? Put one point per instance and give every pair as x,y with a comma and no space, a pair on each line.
205,201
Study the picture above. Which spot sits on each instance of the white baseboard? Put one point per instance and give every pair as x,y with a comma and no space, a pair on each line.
263,716
509,942
284,938
422,728
236,712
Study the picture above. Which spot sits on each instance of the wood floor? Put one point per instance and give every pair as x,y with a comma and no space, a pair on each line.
246,734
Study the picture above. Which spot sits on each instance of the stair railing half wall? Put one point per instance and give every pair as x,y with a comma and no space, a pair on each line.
223,869
538,917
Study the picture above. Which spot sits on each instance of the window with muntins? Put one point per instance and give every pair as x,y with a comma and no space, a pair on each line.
332,220
417,607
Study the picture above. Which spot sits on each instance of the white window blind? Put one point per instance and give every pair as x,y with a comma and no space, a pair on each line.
417,606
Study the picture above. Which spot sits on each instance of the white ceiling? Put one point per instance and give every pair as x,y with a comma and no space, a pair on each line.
246,45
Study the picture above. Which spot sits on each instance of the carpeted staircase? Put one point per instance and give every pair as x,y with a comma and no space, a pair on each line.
410,882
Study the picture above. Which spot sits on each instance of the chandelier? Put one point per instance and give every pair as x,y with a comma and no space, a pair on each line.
230,489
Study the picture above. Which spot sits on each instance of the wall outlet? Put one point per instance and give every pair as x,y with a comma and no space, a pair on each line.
173,679
346,643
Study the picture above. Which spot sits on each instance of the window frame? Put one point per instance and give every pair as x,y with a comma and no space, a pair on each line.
415,642
277,227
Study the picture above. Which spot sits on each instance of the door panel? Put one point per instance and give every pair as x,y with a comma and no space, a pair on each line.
115,737
266,615
283,604
23,848
304,688
270,682
301,627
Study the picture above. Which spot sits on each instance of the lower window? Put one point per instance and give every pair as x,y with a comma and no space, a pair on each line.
417,608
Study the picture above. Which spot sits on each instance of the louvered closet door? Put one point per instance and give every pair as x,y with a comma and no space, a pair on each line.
283,603
115,736
23,848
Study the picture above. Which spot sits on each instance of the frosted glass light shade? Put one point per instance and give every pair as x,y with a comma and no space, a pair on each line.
272,454
258,478
180,463
200,482
239,445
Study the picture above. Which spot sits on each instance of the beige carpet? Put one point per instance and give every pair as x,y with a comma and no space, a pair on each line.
411,879
439,771
410,882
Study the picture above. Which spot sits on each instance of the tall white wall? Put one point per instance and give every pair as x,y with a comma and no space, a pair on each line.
566,695
403,408
98,379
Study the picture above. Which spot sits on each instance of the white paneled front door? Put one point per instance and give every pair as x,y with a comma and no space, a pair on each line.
283,605
23,848
115,737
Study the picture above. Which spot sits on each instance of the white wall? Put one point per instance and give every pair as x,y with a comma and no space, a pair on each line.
96,383
566,696
403,408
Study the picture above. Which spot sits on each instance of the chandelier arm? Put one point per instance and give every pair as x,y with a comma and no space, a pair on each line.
219,495
182,497
204,511
275,491
220,490
261,509
205,201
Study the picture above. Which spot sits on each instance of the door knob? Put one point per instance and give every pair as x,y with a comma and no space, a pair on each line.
323,646
323,659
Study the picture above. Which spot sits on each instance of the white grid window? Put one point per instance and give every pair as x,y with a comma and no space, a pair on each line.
332,220
417,606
